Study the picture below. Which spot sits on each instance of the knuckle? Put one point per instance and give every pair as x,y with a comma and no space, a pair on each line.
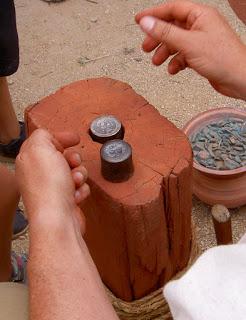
18,159
87,189
165,32
40,132
84,172
23,149
212,11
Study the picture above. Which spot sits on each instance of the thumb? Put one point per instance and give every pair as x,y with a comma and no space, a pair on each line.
164,32
66,139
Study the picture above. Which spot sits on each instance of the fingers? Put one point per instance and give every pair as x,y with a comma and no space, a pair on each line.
162,53
57,144
39,138
176,64
66,139
150,44
59,140
79,175
82,193
164,32
73,158
175,10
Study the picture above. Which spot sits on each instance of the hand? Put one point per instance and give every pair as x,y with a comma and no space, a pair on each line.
51,180
198,37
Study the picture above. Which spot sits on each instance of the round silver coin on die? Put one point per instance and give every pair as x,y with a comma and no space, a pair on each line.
106,128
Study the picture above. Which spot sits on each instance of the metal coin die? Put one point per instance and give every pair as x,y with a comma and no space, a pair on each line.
116,160
106,128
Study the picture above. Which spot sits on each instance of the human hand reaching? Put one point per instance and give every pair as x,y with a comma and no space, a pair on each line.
196,36
52,179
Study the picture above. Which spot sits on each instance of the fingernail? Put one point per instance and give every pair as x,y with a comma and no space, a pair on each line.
78,175
77,158
147,23
77,196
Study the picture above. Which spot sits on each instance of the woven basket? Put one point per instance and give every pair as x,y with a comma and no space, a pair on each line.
153,306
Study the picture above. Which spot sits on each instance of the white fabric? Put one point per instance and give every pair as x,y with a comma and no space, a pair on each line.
214,288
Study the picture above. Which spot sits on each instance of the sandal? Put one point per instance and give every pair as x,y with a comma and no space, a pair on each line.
20,224
12,148
19,263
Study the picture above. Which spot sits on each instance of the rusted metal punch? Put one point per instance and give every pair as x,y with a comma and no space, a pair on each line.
116,161
106,128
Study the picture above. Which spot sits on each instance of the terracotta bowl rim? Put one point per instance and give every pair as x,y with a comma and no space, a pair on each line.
202,116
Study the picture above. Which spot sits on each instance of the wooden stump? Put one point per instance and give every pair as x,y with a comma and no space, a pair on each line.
138,231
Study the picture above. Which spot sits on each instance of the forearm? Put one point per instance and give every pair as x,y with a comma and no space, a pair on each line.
64,283
239,76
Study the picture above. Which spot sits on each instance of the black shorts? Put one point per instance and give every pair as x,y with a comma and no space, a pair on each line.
9,44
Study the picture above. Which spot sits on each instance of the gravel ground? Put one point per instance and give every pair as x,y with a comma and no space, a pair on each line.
56,40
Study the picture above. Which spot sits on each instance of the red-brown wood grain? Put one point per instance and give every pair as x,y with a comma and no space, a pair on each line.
138,231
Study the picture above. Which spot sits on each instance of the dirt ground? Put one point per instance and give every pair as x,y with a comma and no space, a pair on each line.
57,40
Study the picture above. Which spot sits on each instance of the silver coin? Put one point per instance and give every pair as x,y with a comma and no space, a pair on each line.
105,126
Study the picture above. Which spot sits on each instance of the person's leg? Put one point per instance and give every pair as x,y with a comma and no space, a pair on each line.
9,125
9,62
9,198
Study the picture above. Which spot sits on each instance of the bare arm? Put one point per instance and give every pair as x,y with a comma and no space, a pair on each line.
64,283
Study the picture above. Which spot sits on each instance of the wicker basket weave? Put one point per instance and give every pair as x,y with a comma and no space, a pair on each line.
153,306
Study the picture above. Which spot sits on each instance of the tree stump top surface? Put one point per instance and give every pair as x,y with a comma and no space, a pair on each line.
158,146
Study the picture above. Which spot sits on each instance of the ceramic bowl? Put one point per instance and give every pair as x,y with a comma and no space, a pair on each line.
227,187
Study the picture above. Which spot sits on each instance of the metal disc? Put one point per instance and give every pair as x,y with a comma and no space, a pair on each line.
105,127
